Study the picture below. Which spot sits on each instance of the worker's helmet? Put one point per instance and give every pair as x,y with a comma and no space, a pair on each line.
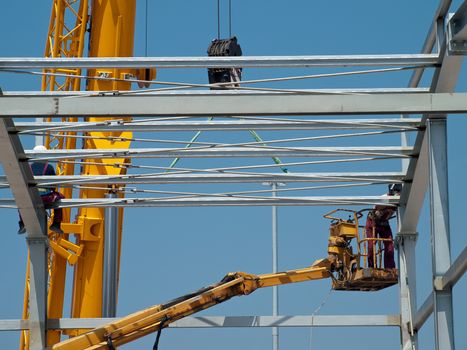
394,188
39,148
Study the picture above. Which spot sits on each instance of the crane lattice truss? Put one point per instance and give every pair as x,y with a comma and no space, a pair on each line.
328,115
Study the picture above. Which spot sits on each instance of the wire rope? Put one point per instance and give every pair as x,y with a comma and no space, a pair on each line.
220,145
323,302
153,153
218,19
224,85
128,190
320,177
179,170
146,32
288,201
230,18
139,122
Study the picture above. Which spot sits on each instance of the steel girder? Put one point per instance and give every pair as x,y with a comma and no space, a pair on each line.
216,104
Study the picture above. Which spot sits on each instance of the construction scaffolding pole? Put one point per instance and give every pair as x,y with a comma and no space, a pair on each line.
275,289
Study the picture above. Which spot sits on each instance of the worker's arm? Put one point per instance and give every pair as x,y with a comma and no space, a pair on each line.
156,317
383,213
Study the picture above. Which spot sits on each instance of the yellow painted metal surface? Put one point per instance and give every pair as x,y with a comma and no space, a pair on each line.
67,29
63,40
112,32
112,35
24,339
156,317
319,270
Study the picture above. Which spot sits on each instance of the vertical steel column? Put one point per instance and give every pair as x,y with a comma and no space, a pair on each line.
32,211
440,241
38,246
406,242
110,274
275,291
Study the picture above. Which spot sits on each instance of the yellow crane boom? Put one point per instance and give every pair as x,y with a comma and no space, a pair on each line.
66,38
111,26
159,316
112,32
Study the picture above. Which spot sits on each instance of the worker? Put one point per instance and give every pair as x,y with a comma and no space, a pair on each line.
377,226
48,195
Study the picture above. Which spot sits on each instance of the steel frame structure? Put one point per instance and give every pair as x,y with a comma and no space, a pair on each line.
237,104
424,163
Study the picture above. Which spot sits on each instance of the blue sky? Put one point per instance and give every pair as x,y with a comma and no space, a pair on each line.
168,252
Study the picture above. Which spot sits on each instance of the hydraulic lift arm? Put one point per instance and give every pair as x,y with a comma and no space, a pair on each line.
160,316
342,265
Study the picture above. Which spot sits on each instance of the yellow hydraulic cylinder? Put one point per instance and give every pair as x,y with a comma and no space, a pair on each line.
112,33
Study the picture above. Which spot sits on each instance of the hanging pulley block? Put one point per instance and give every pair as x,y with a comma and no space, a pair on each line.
224,47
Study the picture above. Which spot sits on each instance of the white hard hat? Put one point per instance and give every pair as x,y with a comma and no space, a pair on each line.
39,148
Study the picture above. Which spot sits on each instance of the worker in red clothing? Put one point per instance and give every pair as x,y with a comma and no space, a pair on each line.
377,226
48,195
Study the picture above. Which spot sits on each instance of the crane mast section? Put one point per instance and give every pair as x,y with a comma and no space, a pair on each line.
112,33
66,37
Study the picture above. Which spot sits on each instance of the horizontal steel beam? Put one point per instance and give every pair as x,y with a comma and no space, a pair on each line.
221,125
191,90
209,200
219,62
289,321
218,200
219,152
167,178
225,321
13,325
233,104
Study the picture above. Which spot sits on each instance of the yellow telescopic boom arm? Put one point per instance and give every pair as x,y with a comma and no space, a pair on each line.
157,317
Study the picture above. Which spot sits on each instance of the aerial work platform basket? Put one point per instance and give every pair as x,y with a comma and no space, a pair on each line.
350,270
368,279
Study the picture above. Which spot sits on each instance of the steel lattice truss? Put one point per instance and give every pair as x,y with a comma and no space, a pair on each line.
294,160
